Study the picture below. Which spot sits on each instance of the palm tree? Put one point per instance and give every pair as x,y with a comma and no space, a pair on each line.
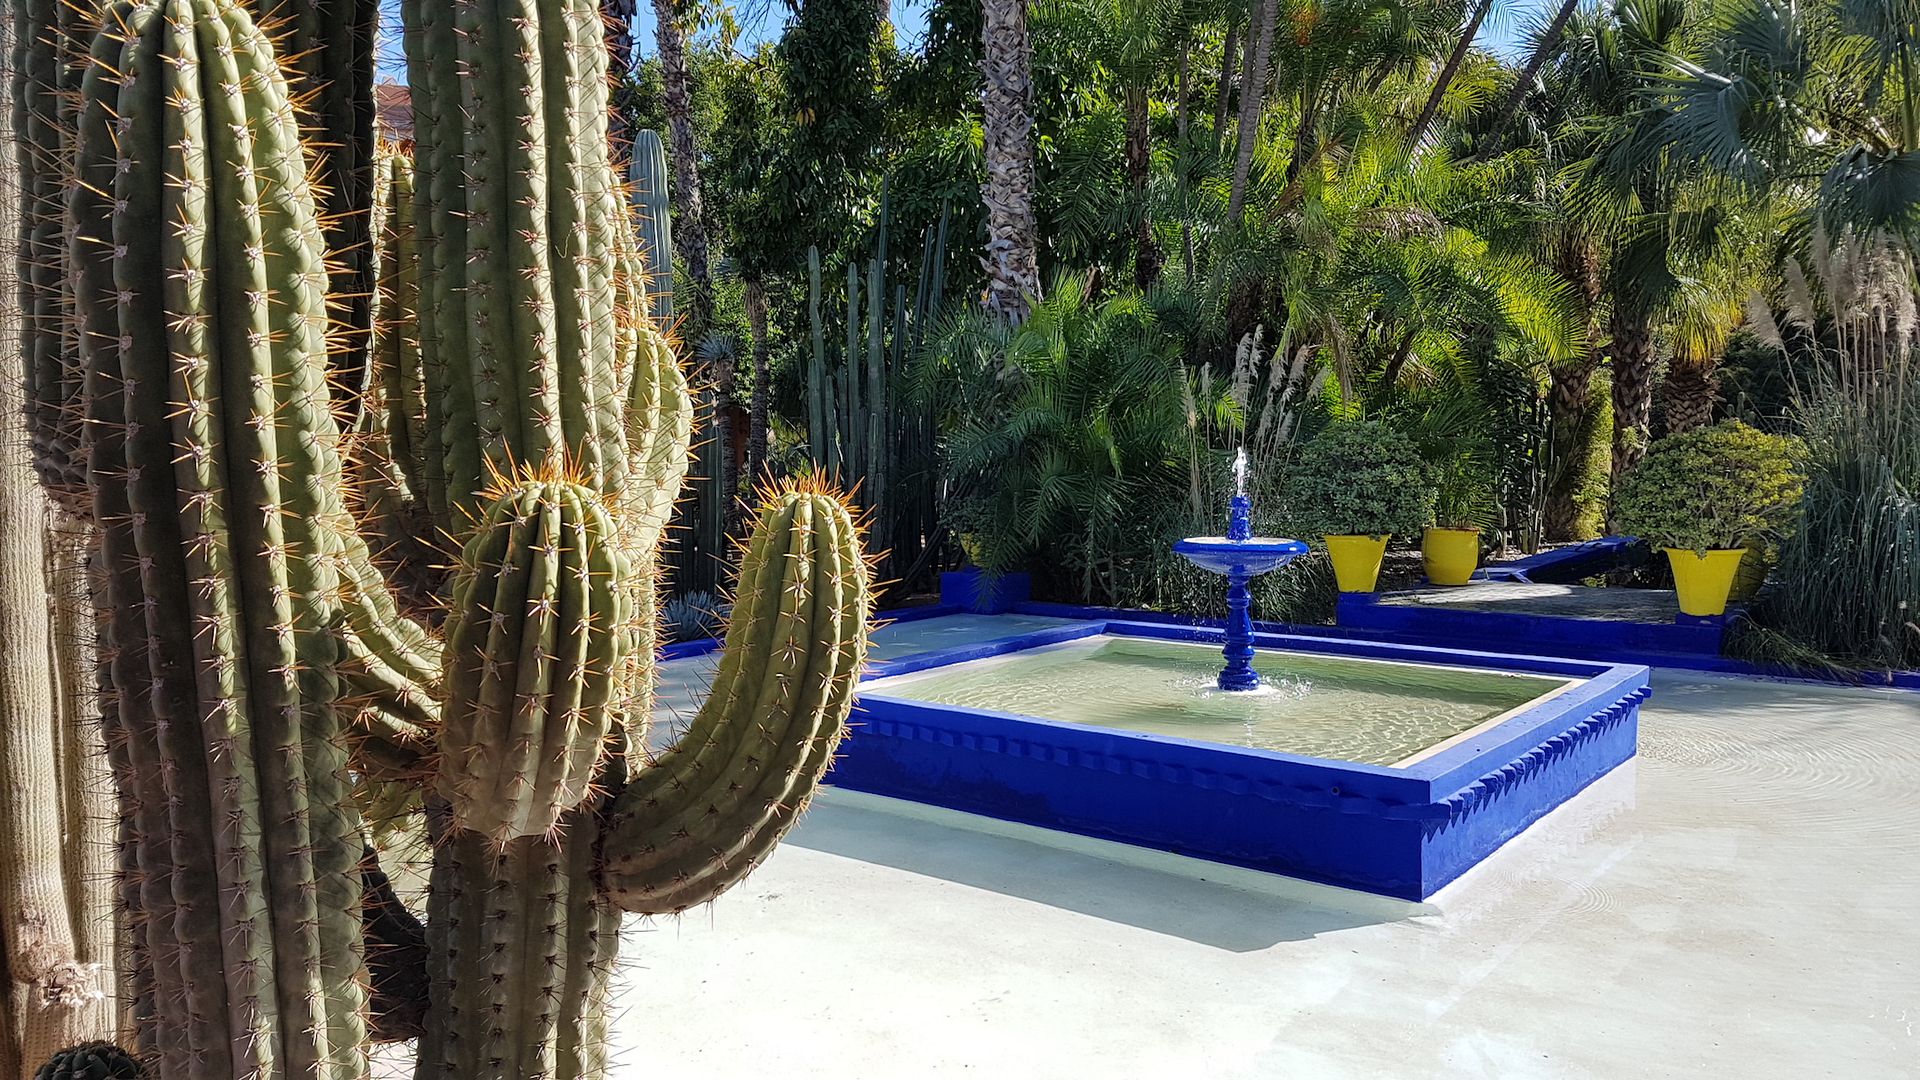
618,16
1710,305
1253,90
1447,72
1545,44
1646,208
689,226
1131,37
1013,240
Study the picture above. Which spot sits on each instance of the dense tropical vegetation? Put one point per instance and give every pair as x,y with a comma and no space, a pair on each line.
1130,236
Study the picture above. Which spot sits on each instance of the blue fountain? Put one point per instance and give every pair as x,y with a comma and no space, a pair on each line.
1241,556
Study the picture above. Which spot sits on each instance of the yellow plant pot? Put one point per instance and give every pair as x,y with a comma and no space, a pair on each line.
1356,561
1451,555
1703,580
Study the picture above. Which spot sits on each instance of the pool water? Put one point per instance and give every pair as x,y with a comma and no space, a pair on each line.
1368,711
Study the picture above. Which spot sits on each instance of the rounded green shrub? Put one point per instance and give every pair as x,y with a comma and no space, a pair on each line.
1722,487
1358,478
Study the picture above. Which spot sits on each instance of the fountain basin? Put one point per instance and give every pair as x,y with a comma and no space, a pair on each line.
1349,778
1249,557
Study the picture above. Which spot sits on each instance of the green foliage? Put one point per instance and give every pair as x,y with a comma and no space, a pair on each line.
1727,486
1358,477
1849,572
1065,434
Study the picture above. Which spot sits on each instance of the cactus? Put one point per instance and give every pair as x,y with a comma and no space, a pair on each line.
57,939
861,429
650,188
329,47
42,87
242,610
535,649
259,663
91,1061
709,809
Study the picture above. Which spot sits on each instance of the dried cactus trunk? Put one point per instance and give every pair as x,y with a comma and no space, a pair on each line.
57,939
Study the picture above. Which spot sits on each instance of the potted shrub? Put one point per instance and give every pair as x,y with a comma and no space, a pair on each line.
1354,485
1711,498
1450,547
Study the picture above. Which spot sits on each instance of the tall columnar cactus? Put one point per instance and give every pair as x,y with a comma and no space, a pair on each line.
258,661
241,608
650,180
42,85
328,48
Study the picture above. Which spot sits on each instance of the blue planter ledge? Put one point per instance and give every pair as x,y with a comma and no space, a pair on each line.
974,591
1402,832
1618,640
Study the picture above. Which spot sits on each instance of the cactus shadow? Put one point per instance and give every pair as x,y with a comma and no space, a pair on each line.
1211,904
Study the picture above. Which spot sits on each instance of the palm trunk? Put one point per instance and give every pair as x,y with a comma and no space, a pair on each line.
1146,257
1548,43
1689,394
1013,246
1568,391
1447,73
618,15
1305,140
689,226
1252,92
1224,93
1632,354
756,304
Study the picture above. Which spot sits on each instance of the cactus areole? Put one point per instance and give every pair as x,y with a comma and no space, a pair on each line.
260,667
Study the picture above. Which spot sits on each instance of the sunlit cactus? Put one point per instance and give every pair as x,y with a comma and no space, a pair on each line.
265,683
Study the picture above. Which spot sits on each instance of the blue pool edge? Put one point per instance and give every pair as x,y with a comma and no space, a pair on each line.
1400,832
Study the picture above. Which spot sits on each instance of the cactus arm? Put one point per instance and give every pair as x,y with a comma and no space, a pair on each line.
536,645
453,454
696,820
580,209
328,47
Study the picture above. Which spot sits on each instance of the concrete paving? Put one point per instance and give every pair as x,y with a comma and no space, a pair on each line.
1739,902
1524,598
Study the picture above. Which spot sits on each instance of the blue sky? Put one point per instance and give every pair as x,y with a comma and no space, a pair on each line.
762,20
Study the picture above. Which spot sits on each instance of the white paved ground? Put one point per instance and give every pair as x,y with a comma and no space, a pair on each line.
1743,901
